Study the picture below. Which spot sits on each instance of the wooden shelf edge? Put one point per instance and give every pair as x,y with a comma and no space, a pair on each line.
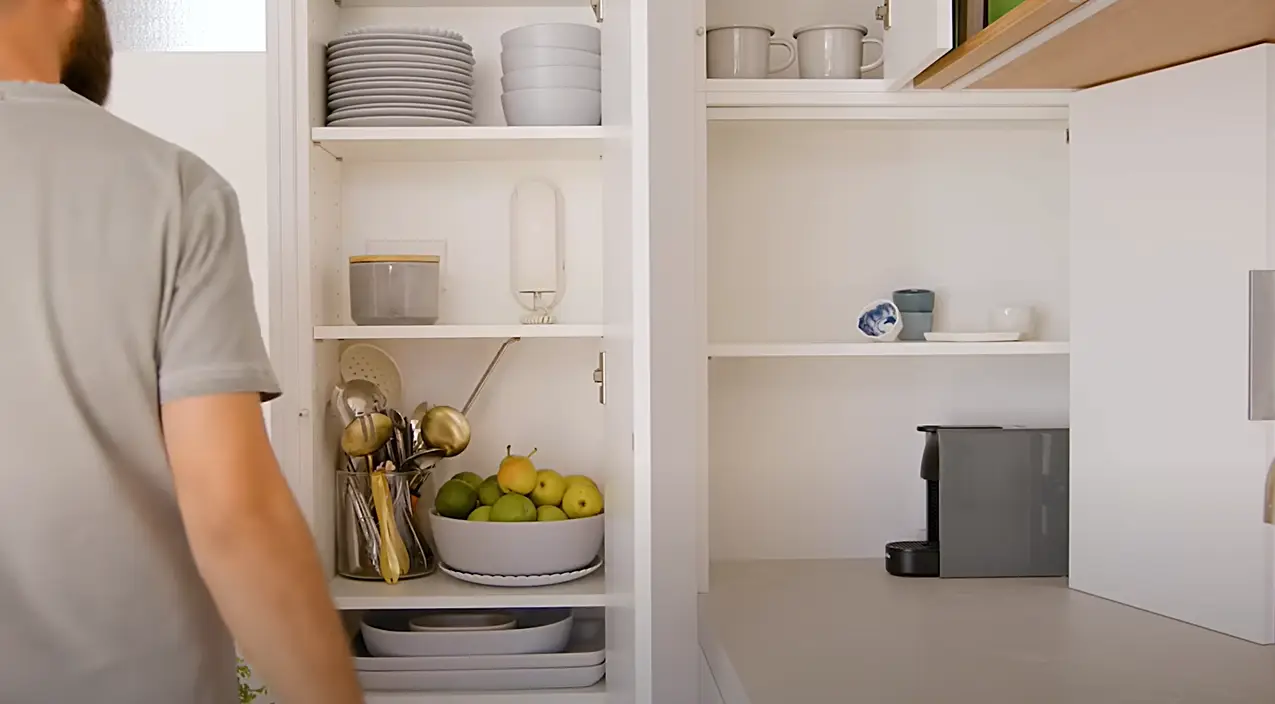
1018,24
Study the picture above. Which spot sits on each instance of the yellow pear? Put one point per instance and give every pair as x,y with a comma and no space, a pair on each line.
517,475
574,479
582,501
550,487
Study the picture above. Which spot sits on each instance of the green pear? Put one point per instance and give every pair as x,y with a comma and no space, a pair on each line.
550,513
513,508
482,513
489,492
469,478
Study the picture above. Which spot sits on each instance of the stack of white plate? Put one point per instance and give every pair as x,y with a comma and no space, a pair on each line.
552,75
400,77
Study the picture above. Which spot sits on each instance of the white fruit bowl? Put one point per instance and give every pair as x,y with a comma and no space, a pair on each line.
517,549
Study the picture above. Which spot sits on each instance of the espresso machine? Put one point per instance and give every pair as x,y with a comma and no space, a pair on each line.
995,504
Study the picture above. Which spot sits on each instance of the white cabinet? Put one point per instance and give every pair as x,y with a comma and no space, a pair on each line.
1173,175
445,191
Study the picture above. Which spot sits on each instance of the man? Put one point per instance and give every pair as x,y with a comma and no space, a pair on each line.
140,502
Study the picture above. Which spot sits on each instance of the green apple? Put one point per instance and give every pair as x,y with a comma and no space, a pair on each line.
513,508
550,513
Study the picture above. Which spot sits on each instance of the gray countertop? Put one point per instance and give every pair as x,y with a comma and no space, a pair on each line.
845,632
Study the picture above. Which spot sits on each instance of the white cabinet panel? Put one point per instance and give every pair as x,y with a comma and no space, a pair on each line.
708,692
1171,183
917,33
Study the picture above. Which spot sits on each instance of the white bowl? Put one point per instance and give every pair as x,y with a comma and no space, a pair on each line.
558,34
517,549
519,57
553,77
880,321
552,106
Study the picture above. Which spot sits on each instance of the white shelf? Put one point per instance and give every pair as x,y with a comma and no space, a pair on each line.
439,591
889,349
455,332
462,3
868,99
459,143
597,694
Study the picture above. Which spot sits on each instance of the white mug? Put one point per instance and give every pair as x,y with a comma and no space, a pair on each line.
834,51
743,51
1012,319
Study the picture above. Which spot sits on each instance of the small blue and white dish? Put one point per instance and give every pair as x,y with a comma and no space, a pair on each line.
881,321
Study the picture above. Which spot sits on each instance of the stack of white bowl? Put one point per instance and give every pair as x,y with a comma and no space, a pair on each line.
552,75
402,77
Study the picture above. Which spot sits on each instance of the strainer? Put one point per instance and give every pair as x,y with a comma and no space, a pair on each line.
366,361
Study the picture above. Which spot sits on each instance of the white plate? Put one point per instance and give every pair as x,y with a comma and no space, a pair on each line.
400,71
586,648
420,60
409,51
403,31
402,111
555,678
447,101
973,336
339,88
387,634
540,580
399,41
401,121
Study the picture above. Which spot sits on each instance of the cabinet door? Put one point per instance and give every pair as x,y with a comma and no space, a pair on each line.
1170,185
917,33
628,514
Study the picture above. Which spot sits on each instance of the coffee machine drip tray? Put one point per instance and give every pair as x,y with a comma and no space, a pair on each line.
912,558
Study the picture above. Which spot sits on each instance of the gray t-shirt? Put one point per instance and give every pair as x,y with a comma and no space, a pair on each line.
124,282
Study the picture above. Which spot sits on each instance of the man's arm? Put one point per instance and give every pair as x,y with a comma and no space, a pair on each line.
254,550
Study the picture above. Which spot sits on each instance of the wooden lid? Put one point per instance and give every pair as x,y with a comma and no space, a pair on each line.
396,259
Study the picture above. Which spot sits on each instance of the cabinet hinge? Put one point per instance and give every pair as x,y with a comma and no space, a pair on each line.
597,9
1069,136
884,15
600,377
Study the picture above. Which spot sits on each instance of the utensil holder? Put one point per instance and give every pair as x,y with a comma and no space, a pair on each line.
358,542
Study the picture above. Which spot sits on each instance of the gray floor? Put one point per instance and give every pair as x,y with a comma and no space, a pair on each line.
845,632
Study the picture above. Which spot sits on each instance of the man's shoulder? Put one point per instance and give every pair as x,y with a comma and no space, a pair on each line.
135,146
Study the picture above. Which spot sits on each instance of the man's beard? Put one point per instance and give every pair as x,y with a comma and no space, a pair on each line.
87,69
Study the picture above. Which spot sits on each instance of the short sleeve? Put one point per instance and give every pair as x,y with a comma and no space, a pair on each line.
210,339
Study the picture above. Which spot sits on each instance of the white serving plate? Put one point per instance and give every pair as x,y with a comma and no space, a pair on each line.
407,52
403,110
446,100
383,59
398,41
381,32
586,648
397,70
346,86
452,621
538,580
388,634
973,336
399,121
483,680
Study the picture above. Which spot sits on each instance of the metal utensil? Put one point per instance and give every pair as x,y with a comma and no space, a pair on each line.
448,429
391,566
366,434
362,397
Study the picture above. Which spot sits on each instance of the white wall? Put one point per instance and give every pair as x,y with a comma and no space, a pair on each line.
820,458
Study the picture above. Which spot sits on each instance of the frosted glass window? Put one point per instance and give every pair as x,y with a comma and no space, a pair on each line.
188,25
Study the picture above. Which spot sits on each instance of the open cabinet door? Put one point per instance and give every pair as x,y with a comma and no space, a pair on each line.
626,364
917,33
1171,180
